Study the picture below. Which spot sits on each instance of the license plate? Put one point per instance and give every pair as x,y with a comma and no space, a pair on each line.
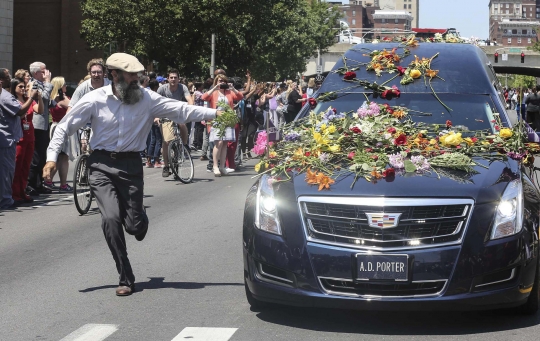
382,267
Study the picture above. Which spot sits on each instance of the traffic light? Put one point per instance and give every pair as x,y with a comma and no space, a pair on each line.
522,57
496,57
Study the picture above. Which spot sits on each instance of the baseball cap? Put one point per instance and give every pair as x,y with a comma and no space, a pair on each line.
160,79
124,62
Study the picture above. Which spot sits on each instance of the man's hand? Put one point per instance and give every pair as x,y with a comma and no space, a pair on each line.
218,113
50,168
47,76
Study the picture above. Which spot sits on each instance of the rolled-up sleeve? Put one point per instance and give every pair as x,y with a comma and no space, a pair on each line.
77,118
179,112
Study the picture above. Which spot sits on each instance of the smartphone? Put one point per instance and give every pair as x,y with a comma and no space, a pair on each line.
224,86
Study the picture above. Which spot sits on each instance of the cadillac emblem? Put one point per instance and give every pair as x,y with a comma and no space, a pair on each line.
383,220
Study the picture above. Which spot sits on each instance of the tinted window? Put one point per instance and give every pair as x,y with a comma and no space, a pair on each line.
473,112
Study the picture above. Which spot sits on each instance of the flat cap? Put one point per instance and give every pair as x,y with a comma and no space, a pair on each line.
124,62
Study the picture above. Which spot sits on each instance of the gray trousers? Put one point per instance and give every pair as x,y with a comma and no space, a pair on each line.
7,172
117,185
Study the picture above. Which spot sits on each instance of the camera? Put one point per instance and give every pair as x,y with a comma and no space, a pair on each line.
35,86
224,86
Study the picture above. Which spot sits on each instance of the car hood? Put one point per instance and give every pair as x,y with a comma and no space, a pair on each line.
486,184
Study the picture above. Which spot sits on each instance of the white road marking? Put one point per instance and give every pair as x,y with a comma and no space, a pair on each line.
68,198
205,334
92,332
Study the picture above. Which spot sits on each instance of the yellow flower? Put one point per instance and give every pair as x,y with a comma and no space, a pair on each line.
323,127
433,142
319,139
451,139
258,167
506,133
415,74
272,154
332,129
334,149
469,141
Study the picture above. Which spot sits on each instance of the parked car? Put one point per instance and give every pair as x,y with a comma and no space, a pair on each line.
418,242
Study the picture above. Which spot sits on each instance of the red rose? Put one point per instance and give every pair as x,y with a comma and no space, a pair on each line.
386,106
307,154
356,130
369,150
334,110
387,94
312,102
391,130
448,124
351,155
389,172
390,111
474,139
349,75
375,157
400,140
401,70
497,128
395,91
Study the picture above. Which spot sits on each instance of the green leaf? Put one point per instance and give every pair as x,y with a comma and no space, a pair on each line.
409,166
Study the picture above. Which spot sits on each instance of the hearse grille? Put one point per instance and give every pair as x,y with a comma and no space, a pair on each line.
348,287
419,222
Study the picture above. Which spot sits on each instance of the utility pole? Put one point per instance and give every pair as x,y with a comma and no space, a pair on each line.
213,58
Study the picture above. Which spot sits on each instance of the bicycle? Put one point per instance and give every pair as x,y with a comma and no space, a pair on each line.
82,194
180,161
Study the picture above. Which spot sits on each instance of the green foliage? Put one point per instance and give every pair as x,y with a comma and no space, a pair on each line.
535,47
517,81
271,38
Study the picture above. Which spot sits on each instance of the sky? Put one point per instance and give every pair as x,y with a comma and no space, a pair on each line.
469,17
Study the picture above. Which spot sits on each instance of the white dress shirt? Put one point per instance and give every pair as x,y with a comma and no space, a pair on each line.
119,127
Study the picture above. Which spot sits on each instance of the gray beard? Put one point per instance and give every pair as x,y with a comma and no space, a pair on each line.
128,93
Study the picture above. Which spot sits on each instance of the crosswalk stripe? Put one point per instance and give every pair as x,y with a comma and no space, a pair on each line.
92,332
205,334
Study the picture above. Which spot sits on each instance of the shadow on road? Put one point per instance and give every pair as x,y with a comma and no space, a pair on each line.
159,283
398,323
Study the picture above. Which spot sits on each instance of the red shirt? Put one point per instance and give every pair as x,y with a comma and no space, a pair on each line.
58,112
28,135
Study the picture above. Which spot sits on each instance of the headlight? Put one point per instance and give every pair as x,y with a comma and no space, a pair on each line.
266,217
509,215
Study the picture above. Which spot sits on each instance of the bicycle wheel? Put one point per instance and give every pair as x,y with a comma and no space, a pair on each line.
82,195
180,162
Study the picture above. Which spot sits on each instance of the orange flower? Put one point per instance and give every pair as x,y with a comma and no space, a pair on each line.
399,114
432,73
311,177
415,74
376,174
324,181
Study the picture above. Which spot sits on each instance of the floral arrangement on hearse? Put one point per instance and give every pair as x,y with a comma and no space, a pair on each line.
379,141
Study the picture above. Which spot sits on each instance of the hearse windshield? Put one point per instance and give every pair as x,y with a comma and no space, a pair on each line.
469,112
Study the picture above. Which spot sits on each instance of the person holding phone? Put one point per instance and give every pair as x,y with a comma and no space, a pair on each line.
222,91
295,100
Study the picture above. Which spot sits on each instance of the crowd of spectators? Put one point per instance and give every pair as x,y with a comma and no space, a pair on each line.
33,103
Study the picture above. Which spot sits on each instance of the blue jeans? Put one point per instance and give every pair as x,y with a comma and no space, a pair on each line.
154,147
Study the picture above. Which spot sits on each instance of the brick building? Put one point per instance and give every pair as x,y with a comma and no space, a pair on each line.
54,39
514,22
389,22
411,6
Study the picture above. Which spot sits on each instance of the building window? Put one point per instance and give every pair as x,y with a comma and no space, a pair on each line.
396,21
519,40
529,41
383,21
354,13
509,40
530,15
354,22
507,5
514,31
507,11
409,6
344,13
524,32
405,6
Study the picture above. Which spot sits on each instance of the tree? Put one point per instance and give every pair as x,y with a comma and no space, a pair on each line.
272,38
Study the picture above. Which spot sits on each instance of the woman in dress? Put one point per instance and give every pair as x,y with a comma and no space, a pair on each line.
221,92
58,95
25,146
